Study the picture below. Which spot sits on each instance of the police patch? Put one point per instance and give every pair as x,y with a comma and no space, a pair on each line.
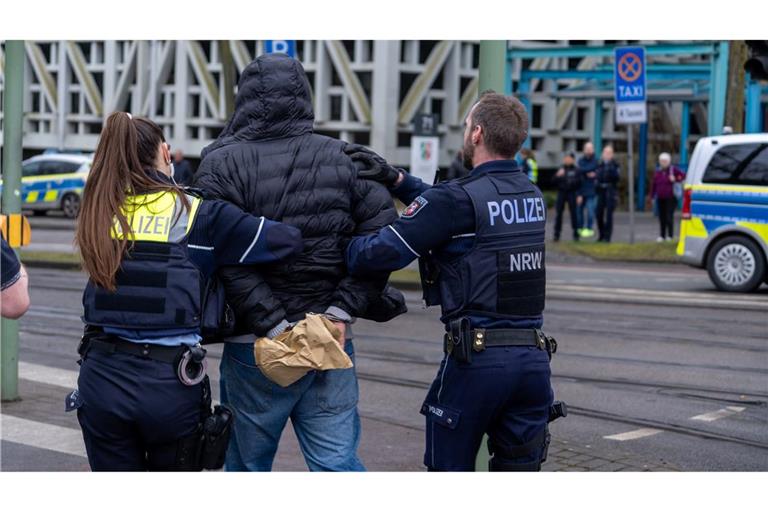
414,208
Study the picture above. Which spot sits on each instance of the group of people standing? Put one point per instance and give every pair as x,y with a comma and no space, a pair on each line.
589,185
590,189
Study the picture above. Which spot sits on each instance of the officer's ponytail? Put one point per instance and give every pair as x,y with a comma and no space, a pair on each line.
126,152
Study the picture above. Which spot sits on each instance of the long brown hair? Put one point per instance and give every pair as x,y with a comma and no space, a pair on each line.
124,157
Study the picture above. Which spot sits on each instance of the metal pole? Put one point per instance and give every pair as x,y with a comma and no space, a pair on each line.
12,154
631,179
684,131
493,66
493,74
642,159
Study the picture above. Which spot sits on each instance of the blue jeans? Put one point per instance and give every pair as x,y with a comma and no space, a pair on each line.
589,203
322,407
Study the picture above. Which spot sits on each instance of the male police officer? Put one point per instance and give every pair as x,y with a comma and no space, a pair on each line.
480,241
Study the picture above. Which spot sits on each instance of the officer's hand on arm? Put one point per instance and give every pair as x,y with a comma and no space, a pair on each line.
428,222
371,166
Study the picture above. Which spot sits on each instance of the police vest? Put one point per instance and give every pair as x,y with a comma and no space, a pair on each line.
534,170
158,286
502,276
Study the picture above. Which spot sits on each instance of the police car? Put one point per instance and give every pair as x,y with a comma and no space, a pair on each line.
724,225
54,182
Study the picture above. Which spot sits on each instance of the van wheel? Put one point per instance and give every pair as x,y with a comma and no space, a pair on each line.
736,264
70,205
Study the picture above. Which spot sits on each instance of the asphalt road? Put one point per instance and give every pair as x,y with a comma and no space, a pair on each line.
649,354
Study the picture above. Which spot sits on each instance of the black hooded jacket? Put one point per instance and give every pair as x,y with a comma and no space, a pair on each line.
269,162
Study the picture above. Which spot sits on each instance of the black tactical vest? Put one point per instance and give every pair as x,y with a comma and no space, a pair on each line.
158,286
502,276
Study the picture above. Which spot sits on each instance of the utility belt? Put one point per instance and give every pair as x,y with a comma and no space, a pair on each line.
461,341
206,448
189,362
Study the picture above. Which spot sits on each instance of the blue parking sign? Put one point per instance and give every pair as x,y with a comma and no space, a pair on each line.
287,46
629,84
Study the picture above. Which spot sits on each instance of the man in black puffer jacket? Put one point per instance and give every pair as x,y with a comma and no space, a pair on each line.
269,162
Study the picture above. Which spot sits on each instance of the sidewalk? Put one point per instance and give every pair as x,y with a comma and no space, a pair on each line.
646,227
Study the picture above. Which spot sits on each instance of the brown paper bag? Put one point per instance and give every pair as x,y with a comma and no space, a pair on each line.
310,345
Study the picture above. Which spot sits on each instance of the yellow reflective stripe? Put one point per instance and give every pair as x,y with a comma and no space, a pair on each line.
192,212
693,227
50,196
726,188
761,230
32,196
150,216
50,177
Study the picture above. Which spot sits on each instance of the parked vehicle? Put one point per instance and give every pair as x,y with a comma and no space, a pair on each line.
724,225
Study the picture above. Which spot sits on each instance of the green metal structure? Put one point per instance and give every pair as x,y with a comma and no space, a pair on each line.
12,156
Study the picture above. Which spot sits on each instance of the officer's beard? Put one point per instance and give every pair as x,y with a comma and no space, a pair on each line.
469,153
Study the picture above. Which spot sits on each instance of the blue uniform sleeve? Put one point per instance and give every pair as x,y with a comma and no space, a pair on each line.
433,219
410,188
11,268
241,238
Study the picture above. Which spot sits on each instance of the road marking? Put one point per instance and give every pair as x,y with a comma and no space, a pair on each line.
48,375
716,415
42,435
653,297
633,434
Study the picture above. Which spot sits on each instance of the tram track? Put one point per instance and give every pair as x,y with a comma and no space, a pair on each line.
596,414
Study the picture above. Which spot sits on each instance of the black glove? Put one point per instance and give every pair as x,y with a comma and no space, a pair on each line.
370,166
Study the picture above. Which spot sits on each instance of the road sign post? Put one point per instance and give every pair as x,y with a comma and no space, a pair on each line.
631,108
425,147
12,154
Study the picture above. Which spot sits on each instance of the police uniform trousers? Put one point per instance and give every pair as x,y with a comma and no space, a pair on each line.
134,411
504,392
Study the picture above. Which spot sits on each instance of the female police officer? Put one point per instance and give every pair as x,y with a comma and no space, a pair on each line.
150,248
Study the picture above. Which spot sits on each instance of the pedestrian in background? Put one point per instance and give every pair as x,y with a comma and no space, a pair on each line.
666,187
607,176
182,170
587,165
456,169
14,295
568,182
530,166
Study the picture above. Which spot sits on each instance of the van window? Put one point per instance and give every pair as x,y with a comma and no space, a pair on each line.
739,164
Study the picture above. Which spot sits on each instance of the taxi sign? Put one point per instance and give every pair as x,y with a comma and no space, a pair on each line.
629,85
15,229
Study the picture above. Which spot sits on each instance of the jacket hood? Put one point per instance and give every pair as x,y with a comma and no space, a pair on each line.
273,101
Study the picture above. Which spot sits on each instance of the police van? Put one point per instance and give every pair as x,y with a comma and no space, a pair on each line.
724,225
54,182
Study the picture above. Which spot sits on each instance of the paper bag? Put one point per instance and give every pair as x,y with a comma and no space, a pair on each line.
310,345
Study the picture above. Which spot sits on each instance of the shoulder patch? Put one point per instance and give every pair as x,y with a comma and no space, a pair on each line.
414,208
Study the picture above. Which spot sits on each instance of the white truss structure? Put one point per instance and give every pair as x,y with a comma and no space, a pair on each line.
363,91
